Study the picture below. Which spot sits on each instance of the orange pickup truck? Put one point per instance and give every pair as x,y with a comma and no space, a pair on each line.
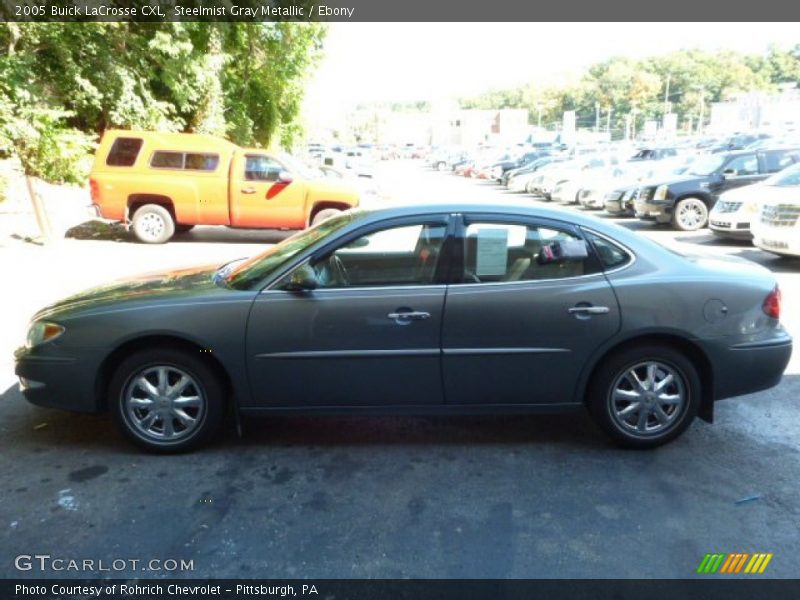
163,183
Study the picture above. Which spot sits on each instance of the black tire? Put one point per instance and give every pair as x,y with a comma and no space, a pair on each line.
180,228
690,214
153,224
610,376
324,215
205,385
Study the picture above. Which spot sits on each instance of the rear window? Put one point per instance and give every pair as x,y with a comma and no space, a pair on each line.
611,255
191,161
124,152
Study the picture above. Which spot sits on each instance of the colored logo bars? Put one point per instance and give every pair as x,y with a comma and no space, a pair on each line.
734,563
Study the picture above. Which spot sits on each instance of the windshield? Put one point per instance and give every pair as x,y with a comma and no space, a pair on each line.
786,178
707,164
244,275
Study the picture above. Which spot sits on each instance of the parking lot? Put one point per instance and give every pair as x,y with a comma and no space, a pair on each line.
544,496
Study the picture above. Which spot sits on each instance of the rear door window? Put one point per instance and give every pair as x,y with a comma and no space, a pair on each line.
190,161
124,152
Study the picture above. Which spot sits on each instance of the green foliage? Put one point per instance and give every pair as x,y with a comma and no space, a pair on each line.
62,84
625,86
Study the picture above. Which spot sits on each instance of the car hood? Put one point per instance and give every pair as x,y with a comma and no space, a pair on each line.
148,288
668,181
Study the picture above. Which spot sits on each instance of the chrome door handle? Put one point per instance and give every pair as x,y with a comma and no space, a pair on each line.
589,310
409,316
248,190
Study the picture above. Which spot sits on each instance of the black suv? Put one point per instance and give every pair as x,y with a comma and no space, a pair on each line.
685,201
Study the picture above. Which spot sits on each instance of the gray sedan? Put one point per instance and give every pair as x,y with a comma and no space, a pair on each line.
456,309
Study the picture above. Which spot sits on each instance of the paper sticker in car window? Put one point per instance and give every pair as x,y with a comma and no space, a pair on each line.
492,252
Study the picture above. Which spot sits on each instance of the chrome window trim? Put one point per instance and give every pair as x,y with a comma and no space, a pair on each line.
627,249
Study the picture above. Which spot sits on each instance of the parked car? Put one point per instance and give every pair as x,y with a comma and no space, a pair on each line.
163,183
543,184
685,201
617,196
500,168
734,211
517,179
545,310
654,154
619,202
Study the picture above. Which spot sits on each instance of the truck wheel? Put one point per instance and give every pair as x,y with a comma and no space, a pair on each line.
691,214
324,215
152,224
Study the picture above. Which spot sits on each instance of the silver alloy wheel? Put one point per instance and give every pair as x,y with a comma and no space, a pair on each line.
152,225
692,214
647,398
164,404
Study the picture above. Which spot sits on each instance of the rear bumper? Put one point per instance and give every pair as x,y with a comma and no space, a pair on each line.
749,367
64,383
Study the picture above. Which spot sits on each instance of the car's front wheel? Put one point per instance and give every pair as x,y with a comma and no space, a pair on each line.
691,214
645,396
166,400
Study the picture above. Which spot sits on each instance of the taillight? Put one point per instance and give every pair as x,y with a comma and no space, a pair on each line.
772,304
94,189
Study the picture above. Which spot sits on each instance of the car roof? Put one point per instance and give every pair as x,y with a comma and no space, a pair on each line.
521,208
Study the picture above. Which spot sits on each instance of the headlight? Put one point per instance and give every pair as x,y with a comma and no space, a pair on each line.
661,193
41,331
613,195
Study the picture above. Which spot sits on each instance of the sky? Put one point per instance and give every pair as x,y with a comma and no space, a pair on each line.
368,62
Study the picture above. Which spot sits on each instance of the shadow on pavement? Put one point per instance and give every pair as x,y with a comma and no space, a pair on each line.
116,232
27,428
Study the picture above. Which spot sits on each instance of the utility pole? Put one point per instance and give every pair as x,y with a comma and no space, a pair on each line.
666,95
596,117
539,110
702,110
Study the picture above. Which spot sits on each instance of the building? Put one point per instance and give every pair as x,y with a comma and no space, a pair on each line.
756,110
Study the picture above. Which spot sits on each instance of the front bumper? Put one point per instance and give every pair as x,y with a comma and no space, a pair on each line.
62,382
784,240
652,211
730,228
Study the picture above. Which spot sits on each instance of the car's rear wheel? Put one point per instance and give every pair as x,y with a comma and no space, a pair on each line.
153,224
691,214
166,400
324,215
645,396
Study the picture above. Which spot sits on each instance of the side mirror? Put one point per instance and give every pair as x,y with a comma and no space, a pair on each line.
729,172
302,279
285,177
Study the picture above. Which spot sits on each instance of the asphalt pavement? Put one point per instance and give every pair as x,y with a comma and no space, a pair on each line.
544,496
